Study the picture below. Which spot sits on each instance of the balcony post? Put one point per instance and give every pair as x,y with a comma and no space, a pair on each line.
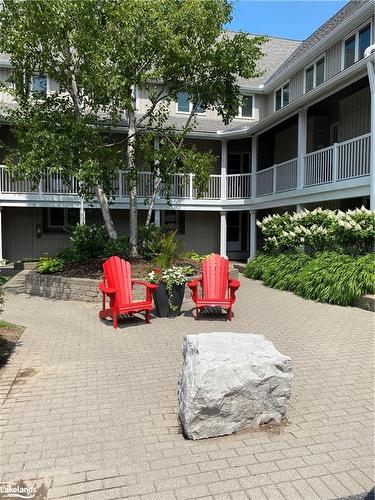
223,234
120,193
82,213
254,165
302,139
274,170
224,169
1,235
371,76
157,218
191,186
334,162
253,234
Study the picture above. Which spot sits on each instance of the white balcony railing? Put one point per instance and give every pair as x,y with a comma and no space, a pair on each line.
344,160
337,163
238,186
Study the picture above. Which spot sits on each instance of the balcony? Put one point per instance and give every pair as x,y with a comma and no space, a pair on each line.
331,167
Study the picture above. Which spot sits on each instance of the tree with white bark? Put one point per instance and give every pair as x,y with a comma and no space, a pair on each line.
101,53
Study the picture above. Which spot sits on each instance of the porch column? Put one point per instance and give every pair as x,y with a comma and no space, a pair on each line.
82,214
157,218
299,208
224,169
371,77
253,233
302,139
1,235
223,234
254,164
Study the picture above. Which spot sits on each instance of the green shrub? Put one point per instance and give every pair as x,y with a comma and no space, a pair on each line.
166,251
336,278
88,241
331,277
119,247
320,230
68,255
50,265
150,240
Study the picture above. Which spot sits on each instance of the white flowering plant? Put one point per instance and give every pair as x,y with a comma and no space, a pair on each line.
171,276
352,231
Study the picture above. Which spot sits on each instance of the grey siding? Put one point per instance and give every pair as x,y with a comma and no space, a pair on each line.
354,115
19,235
202,232
333,60
297,85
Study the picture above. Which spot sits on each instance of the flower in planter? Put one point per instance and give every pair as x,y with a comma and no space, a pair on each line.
170,276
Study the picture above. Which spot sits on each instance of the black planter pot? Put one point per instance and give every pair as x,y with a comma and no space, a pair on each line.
162,304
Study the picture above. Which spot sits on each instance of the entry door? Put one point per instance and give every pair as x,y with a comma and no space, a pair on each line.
234,232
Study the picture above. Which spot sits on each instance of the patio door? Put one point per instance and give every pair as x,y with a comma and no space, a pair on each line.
234,231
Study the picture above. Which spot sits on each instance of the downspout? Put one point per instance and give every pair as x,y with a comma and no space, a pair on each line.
371,76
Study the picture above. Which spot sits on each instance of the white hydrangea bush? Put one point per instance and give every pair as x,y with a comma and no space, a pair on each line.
352,231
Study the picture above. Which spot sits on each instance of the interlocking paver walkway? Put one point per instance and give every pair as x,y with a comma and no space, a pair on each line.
92,411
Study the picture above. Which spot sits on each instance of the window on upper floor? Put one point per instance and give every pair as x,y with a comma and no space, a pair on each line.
354,45
245,109
39,85
184,105
282,96
315,74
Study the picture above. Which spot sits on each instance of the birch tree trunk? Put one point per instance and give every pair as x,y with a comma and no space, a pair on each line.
107,217
152,202
102,198
133,216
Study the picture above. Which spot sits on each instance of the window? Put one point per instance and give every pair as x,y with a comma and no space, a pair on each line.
282,96
349,56
286,94
364,40
319,72
309,78
56,218
172,220
184,105
245,110
315,74
59,218
39,85
355,45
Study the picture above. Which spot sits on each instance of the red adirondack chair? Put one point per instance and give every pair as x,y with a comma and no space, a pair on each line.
118,286
218,289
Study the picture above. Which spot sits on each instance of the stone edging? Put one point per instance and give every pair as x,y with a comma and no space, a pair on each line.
81,289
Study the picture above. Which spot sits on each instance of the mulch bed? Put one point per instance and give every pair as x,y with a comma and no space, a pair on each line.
9,335
93,268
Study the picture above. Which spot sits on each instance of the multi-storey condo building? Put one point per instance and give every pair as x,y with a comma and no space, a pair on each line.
304,137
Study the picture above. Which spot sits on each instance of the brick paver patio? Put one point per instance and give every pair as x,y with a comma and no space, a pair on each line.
92,412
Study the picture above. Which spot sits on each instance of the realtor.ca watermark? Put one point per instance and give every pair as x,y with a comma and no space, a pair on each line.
17,491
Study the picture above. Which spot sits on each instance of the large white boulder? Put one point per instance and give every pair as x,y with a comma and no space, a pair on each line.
230,382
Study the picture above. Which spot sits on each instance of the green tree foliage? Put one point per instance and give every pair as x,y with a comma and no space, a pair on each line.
101,53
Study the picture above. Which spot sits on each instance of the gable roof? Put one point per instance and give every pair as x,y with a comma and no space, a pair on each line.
276,50
347,11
